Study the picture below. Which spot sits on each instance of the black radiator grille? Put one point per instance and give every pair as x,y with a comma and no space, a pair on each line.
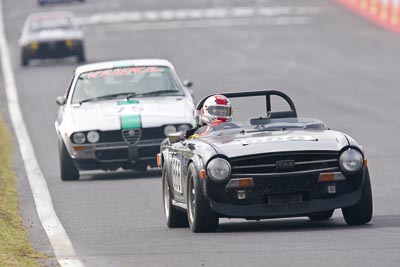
284,162
146,134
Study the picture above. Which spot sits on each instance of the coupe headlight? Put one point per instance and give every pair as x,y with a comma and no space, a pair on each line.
351,160
93,136
78,138
219,169
183,127
169,129
69,43
34,45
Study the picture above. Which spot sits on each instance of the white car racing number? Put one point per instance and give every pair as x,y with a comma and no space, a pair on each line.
176,175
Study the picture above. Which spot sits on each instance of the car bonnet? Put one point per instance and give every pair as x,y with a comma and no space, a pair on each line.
277,141
120,114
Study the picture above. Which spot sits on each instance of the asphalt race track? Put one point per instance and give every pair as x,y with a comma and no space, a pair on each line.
336,67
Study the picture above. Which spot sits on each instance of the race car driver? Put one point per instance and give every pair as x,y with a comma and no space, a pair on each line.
216,109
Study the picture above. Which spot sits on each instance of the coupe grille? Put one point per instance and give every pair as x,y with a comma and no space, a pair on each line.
284,163
119,136
132,136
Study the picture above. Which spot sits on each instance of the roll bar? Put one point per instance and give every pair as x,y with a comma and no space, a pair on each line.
292,113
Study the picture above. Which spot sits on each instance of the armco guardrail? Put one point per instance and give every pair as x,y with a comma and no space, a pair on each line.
383,12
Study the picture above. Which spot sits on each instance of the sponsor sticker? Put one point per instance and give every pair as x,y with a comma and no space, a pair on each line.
121,72
177,175
128,102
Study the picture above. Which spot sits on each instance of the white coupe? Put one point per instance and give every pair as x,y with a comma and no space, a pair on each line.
115,115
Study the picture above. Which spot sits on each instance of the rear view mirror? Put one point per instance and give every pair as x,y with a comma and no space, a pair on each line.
187,83
60,100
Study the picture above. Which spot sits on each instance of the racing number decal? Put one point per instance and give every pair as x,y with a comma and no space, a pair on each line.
176,175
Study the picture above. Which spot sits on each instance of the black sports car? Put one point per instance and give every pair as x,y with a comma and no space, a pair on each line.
51,35
276,165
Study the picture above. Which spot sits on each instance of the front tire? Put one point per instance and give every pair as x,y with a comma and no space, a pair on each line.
24,58
80,56
360,213
69,172
200,215
173,217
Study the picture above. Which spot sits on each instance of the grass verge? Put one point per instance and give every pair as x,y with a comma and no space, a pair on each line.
15,248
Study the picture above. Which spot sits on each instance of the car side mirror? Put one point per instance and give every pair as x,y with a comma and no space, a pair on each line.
60,100
187,83
176,137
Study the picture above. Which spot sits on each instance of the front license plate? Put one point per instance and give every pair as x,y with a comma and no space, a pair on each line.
52,45
284,199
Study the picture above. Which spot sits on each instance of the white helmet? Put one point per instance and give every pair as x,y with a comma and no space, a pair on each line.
216,107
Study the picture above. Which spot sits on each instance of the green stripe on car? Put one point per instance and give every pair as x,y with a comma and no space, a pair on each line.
130,121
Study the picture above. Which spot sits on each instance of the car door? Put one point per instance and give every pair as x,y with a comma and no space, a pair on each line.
178,163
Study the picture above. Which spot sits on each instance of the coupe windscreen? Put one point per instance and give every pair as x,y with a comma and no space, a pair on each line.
51,23
125,82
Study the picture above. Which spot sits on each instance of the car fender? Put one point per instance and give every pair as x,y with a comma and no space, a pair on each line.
200,165
352,142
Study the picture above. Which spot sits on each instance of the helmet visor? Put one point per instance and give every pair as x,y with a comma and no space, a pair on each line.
219,110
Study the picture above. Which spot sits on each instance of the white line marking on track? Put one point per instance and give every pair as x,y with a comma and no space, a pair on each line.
214,23
192,14
59,239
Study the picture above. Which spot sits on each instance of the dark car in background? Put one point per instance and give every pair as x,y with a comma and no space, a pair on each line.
44,2
275,165
51,35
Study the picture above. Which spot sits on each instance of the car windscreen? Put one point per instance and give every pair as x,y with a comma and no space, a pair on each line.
132,82
50,23
263,124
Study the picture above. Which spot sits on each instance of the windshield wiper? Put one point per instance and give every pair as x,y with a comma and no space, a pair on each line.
128,95
159,92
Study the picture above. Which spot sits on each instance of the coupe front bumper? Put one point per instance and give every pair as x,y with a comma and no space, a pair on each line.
53,49
114,155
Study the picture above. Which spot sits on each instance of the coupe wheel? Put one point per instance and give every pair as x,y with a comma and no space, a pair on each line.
321,216
200,215
69,172
173,217
24,59
81,56
361,212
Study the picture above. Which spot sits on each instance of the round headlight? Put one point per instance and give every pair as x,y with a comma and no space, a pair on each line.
183,127
79,138
351,160
93,136
219,169
169,129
